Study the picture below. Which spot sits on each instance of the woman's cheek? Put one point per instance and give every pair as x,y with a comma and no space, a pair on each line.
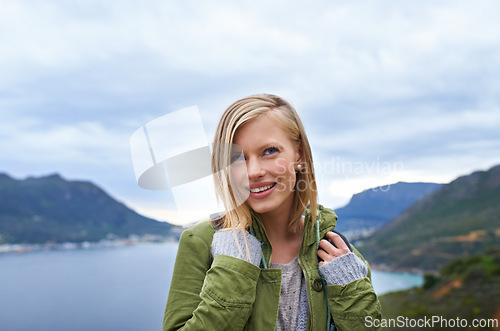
281,186
281,167
239,180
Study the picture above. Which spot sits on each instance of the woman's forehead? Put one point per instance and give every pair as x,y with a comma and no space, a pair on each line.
261,127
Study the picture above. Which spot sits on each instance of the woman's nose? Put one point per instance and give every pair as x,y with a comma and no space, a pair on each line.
254,168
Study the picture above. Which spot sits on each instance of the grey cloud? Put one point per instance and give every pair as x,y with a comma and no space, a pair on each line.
393,80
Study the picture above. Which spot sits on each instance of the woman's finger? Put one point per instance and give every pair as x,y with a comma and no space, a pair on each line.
340,245
324,255
327,247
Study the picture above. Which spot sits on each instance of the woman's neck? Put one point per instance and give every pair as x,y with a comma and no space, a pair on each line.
285,244
277,221
277,226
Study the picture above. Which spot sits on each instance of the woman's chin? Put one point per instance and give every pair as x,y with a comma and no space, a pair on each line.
262,208
258,209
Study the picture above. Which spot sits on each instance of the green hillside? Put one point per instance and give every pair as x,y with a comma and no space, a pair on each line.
467,289
52,209
456,220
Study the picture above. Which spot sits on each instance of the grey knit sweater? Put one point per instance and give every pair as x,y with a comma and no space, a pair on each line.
292,313
293,307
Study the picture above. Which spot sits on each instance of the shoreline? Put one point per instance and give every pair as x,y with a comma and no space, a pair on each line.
388,268
69,246
147,240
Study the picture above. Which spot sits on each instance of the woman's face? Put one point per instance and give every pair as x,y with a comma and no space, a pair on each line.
270,158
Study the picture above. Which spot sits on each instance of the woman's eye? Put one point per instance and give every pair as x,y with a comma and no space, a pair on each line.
271,150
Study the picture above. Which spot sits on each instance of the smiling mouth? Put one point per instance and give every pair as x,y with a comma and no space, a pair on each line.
262,189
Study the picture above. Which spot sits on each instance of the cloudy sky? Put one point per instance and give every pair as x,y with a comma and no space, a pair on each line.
387,90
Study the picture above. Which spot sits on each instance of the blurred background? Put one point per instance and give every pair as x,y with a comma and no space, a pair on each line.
400,100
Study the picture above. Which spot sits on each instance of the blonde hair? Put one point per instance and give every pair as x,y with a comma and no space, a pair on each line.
238,215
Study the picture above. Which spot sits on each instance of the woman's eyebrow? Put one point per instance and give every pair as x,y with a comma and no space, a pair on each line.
271,144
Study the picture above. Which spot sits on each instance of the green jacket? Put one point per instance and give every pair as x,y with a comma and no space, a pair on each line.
226,293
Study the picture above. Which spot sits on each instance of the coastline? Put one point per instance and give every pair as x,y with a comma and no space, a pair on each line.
155,240
390,268
67,246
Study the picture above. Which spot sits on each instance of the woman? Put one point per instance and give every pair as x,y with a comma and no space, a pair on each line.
262,265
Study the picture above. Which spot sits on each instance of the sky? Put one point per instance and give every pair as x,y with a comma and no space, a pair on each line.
388,91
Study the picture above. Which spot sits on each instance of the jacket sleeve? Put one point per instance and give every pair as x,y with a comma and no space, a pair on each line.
206,294
354,305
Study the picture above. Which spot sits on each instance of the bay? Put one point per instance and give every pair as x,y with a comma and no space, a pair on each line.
122,288
385,282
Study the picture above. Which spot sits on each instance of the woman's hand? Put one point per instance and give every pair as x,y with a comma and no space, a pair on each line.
327,251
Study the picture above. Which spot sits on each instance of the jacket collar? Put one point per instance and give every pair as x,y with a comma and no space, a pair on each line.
327,221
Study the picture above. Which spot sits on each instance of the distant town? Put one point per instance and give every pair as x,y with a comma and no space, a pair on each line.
110,242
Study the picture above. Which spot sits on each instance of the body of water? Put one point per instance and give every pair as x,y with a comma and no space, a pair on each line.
123,288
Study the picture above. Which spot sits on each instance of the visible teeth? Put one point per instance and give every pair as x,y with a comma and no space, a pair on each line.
260,189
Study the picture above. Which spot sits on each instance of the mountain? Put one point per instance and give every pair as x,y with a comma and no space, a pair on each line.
456,220
376,206
52,209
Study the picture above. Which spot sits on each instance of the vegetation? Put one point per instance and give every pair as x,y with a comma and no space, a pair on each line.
467,288
51,209
457,220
